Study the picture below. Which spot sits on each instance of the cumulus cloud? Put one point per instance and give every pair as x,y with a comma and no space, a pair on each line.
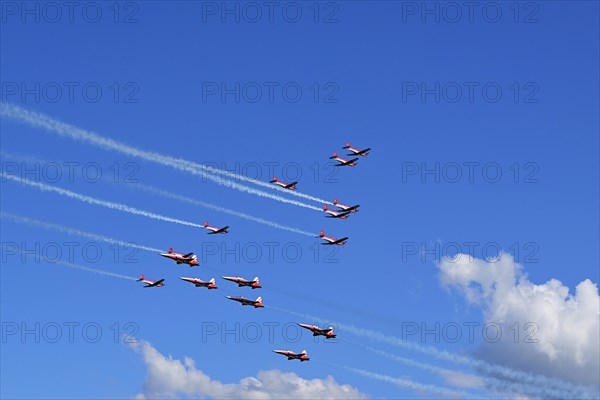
545,328
169,378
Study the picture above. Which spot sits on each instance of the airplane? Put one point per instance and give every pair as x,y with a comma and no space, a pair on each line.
331,240
356,152
214,230
246,302
335,214
342,161
328,333
150,283
198,282
190,258
345,207
291,186
293,356
254,284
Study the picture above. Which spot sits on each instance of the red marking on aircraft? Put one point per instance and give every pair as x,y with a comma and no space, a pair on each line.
190,258
328,333
356,152
342,162
149,283
246,302
345,207
254,284
200,283
335,214
331,240
291,186
293,356
214,230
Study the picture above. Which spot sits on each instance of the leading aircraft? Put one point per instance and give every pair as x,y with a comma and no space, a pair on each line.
328,333
335,214
246,302
356,152
290,186
200,283
345,207
214,231
190,258
293,356
254,284
342,162
331,240
149,283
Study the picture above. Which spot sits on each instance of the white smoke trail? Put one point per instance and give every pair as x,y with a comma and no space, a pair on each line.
92,200
199,203
566,389
93,270
87,269
164,193
76,232
63,129
408,384
504,386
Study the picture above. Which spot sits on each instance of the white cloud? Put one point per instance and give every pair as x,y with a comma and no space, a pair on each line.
563,337
169,378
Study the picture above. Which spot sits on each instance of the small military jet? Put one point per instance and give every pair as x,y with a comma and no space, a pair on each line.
150,283
290,186
214,231
335,214
254,284
331,240
345,207
190,258
356,152
328,333
246,302
293,356
200,283
342,162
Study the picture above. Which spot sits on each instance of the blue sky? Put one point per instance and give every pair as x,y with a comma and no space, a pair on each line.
362,77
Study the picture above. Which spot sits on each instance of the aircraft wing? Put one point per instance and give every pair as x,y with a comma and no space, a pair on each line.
188,255
340,240
347,162
158,282
289,185
223,229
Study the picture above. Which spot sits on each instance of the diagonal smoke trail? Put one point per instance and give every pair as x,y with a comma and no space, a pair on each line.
93,270
408,383
87,269
567,390
76,232
164,193
167,194
504,386
210,173
103,203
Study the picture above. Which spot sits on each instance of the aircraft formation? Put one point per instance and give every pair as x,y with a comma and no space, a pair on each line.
342,212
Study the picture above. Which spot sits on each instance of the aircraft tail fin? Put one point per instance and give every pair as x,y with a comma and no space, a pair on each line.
205,224
322,233
335,201
141,277
325,208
